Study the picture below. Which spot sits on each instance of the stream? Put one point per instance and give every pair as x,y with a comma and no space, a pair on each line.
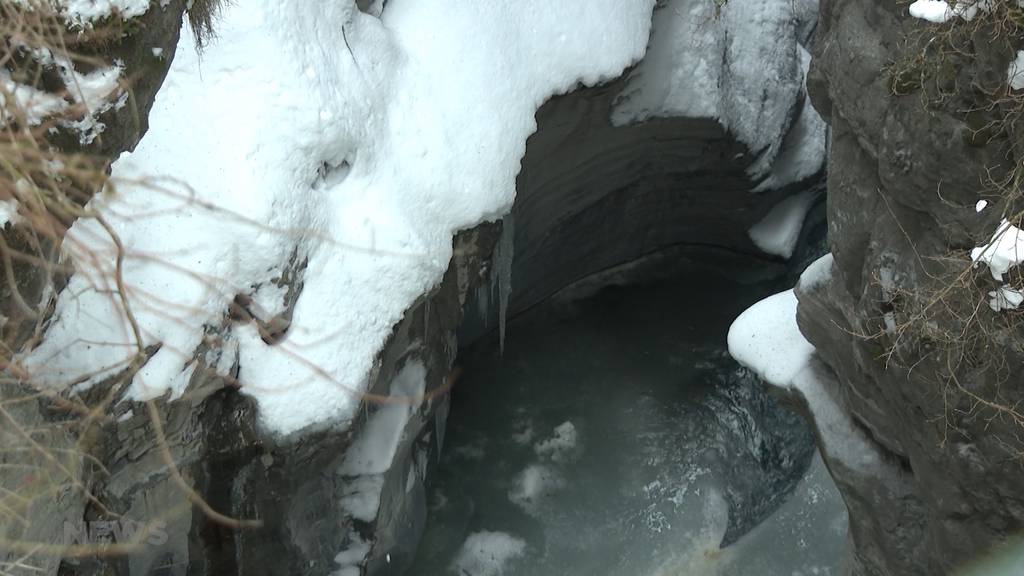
615,436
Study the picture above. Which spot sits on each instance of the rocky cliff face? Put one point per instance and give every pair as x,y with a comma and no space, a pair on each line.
906,169
592,195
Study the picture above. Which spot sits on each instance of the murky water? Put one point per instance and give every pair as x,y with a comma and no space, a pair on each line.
616,437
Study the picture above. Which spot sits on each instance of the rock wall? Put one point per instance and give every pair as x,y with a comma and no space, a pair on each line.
905,172
309,510
592,195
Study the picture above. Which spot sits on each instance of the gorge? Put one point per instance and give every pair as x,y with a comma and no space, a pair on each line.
403,287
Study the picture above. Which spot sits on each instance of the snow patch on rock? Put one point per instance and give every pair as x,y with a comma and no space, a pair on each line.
1004,251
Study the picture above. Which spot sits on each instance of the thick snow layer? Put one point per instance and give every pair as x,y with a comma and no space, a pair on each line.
314,133
1004,251
767,340
488,553
1015,75
778,232
740,63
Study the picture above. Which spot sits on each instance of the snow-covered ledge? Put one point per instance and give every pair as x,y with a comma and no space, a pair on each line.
767,340
314,142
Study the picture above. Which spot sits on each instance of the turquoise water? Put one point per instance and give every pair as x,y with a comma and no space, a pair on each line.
616,436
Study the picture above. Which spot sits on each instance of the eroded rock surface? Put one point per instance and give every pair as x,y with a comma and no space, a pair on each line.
905,173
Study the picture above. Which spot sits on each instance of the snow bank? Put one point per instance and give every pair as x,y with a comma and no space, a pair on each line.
740,63
778,232
488,553
766,339
317,134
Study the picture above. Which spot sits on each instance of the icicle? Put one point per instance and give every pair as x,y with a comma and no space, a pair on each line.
503,256
483,302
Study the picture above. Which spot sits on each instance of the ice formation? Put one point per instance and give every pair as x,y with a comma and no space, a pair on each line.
778,232
740,62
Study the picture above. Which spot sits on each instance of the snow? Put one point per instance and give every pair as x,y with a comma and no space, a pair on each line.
981,205
766,339
817,273
535,483
778,355
937,11
940,11
90,95
84,12
778,232
740,63
561,447
315,132
487,554
1015,75
9,212
1005,298
34,104
352,557
1004,251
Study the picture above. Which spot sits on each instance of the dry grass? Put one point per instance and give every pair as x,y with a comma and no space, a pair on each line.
49,438
943,330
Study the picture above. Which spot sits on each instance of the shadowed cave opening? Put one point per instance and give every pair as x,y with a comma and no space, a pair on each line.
605,429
